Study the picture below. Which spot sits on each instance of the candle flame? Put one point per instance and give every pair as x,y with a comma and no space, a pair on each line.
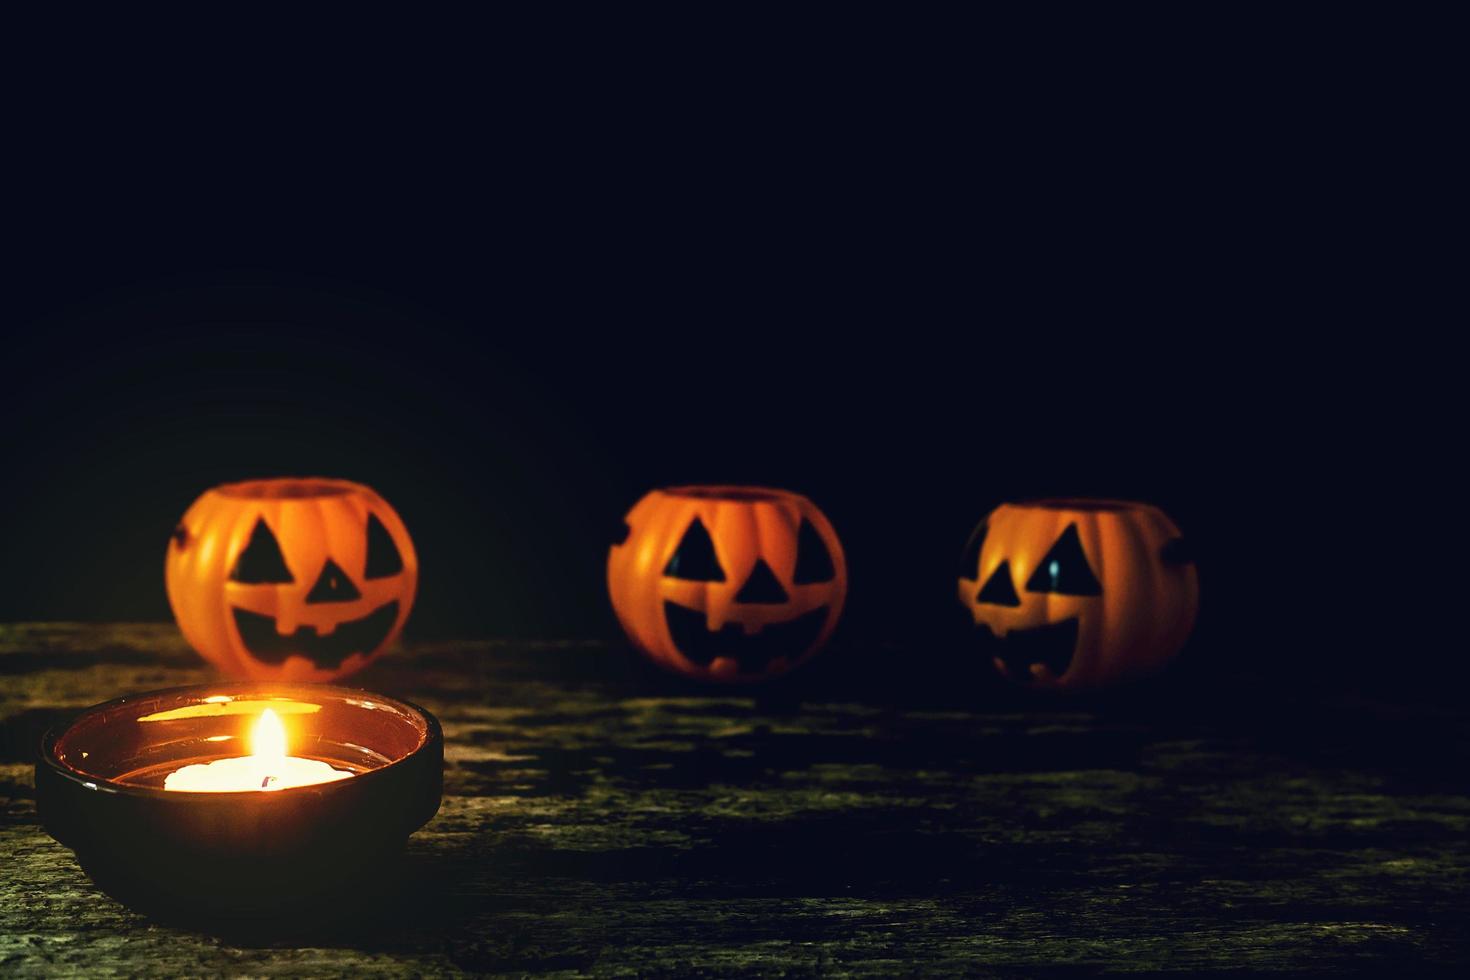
268,739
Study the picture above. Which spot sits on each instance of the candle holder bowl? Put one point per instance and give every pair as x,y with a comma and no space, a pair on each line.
299,855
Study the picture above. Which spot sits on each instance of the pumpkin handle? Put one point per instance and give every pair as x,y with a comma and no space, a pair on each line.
1178,551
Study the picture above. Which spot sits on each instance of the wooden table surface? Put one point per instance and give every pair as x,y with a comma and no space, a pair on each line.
599,818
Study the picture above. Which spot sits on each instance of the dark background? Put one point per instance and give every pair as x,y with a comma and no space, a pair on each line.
910,293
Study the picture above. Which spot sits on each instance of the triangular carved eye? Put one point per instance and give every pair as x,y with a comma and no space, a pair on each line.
999,591
970,560
695,558
813,560
261,563
383,558
1065,570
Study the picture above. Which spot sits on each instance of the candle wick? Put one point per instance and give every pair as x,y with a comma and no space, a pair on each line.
266,781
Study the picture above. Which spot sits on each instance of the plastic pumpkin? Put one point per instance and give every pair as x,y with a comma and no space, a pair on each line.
1078,593
733,584
291,579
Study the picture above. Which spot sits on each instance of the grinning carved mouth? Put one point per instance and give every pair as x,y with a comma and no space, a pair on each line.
701,646
327,652
1051,646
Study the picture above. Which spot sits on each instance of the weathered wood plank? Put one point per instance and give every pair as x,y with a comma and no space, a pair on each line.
600,818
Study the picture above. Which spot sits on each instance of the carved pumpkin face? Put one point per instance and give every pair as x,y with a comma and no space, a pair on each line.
291,579
1078,593
734,584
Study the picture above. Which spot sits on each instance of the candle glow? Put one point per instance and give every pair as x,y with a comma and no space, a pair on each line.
267,768
268,738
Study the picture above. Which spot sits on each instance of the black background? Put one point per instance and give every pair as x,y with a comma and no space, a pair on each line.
513,304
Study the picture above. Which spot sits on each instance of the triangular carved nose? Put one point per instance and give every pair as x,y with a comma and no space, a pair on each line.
333,585
762,586
1000,590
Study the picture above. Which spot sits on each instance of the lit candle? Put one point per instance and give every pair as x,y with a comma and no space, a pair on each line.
268,767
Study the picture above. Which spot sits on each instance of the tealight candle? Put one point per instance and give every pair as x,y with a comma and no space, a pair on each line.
267,768
166,799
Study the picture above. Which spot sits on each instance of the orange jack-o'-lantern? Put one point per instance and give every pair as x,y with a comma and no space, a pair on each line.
734,584
1078,593
291,579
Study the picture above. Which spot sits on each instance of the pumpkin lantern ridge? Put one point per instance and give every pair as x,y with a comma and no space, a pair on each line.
291,579
1074,593
728,583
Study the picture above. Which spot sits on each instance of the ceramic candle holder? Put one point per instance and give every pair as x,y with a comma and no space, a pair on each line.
292,854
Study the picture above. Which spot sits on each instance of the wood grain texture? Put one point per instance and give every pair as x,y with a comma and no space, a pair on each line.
601,819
